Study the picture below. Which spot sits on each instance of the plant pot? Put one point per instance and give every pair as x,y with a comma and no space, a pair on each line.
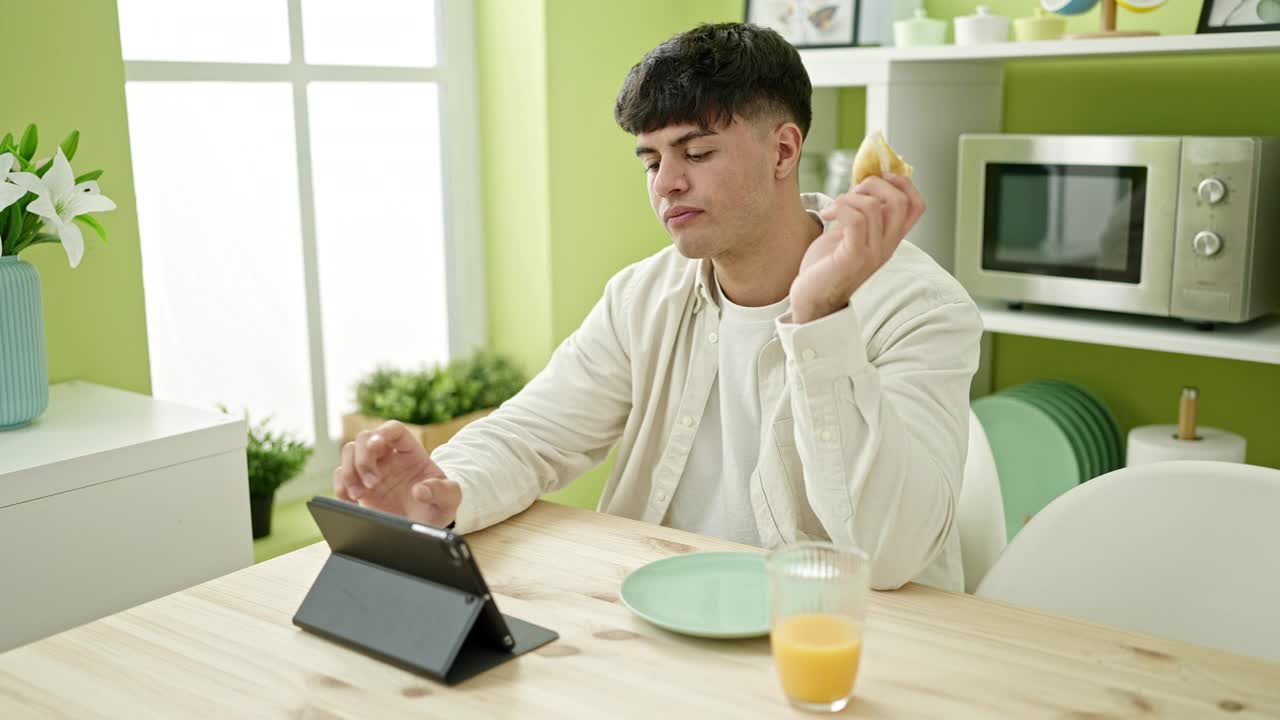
431,436
24,370
260,514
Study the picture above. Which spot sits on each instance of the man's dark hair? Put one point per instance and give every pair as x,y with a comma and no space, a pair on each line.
711,73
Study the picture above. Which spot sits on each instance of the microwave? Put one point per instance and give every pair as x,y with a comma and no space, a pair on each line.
1183,227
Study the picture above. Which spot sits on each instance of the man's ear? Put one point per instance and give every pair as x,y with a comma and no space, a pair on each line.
787,141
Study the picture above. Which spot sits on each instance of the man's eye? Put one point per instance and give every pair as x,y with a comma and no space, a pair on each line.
698,157
651,168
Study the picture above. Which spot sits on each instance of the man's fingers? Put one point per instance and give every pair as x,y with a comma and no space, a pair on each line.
397,436
338,483
441,492
872,210
369,449
346,472
861,217
917,203
897,205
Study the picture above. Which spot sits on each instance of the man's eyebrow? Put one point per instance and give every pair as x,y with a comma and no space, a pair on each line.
684,139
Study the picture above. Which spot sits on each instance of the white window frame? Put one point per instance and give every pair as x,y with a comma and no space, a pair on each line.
455,78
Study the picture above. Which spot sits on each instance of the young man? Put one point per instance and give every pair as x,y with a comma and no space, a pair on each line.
787,371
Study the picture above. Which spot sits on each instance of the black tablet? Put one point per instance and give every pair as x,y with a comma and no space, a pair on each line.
423,551
409,593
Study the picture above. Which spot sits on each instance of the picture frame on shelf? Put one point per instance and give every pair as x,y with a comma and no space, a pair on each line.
808,23
1239,16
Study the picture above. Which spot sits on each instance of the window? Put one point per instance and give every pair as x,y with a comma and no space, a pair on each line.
297,230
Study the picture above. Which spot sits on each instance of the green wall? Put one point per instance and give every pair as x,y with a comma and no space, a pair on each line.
601,220
565,199
62,70
512,78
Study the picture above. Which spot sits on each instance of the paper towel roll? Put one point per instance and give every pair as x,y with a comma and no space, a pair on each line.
1158,443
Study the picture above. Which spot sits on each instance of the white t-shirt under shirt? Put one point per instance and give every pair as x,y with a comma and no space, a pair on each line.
713,497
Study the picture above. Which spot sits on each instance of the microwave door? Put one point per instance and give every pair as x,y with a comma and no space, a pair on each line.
1068,221
1078,221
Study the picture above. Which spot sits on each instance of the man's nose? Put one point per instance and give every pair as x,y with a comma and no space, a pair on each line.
671,180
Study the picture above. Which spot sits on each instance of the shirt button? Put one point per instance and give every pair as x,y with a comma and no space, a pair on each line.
713,338
662,496
808,354
825,435
686,421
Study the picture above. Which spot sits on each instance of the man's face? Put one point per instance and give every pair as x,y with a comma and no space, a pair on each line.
711,188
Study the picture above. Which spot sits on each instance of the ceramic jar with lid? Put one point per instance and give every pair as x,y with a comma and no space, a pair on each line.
1041,26
982,28
920,30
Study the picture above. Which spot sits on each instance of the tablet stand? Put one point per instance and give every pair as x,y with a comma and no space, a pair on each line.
416,624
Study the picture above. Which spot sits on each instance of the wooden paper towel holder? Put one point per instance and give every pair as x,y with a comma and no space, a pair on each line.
1188,409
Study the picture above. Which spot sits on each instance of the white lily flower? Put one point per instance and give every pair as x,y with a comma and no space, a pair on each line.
9,193
59,200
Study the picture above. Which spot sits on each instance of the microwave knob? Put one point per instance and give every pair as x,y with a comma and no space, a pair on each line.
1207,243
1211,190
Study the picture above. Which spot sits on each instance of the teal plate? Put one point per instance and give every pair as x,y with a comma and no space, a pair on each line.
1075,432
1111,428
1092,420
706,594
1035,459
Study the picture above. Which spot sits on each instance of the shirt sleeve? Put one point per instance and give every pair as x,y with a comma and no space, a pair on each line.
557,427
882,440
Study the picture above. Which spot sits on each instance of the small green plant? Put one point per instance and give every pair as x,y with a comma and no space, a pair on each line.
484,380
274,457
41,201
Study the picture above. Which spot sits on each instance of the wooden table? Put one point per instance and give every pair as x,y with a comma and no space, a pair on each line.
227,649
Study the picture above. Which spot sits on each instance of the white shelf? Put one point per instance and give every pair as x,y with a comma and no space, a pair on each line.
91,431
1258,341
851,67
111,499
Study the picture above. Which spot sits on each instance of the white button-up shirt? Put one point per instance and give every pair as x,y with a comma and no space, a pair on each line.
866,413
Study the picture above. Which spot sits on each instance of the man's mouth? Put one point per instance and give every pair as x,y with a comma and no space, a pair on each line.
680,215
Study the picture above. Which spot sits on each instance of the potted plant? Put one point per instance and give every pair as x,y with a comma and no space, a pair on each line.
434,403
274,459
41,201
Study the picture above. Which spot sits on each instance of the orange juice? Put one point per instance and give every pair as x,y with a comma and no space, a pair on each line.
817,656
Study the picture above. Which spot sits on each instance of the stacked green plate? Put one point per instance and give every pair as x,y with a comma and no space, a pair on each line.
1046,436
1098,420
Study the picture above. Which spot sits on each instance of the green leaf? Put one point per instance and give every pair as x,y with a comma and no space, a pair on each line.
482,381
31,223
5,222
7,143
10,226
14,230
93,223
272,457
70,143
43,238
91,175
44,168
27,148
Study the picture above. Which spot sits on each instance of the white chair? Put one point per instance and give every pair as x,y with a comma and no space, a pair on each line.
980,511
1187,550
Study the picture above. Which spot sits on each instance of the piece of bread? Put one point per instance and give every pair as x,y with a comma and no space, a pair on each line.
875,158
